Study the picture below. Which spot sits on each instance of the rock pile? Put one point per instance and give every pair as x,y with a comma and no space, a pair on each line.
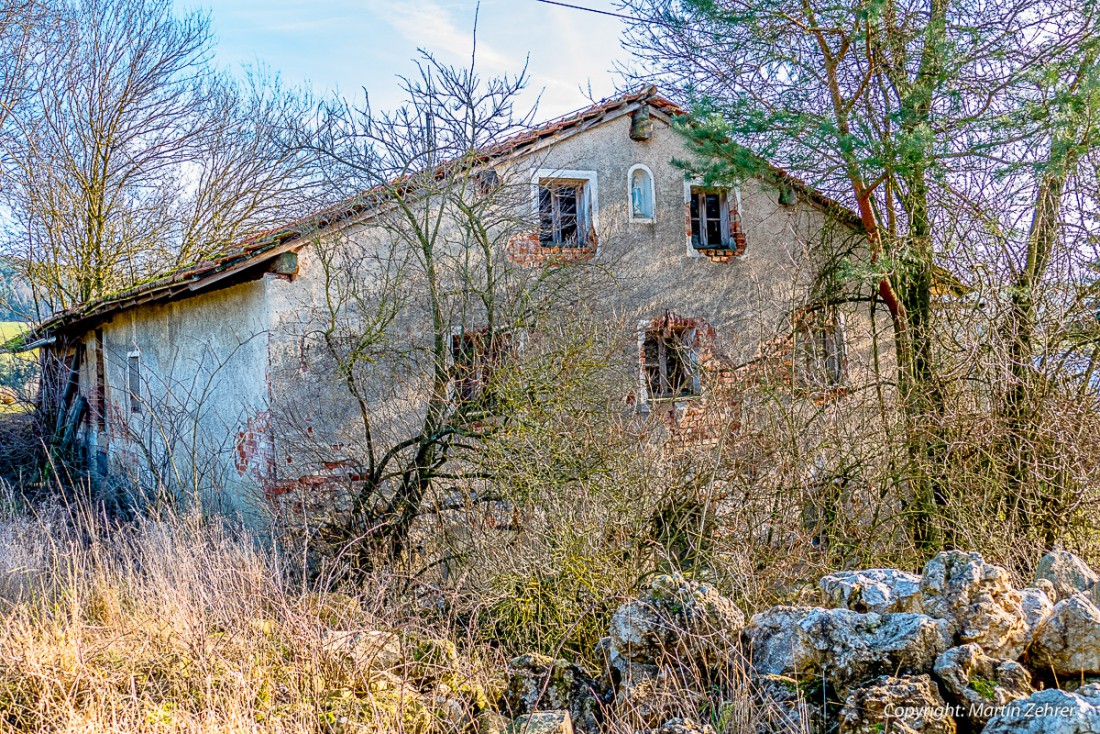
954,649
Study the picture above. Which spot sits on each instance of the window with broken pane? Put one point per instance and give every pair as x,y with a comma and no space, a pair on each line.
562,214
669,363
709,219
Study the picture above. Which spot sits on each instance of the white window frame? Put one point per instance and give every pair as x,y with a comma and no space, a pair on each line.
731,189
591,193
652,194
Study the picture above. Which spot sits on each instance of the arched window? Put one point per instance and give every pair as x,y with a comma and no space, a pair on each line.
642,207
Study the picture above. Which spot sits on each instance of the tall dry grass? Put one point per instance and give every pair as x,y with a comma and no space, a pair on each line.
182,625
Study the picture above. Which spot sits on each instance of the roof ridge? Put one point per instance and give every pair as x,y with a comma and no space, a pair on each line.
267,242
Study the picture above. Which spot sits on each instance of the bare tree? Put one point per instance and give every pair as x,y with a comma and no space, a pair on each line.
132,154
448,349
909,112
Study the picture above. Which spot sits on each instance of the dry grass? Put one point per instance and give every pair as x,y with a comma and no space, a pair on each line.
178,625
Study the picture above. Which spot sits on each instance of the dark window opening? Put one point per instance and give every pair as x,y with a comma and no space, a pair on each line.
669,364
476,359
133,382
709,219
100,382
715,222
562,214
822,362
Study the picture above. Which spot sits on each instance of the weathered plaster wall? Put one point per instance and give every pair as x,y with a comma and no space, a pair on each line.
203,368
743,305
747,301
243,373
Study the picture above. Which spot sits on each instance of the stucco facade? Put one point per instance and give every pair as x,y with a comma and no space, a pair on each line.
233,402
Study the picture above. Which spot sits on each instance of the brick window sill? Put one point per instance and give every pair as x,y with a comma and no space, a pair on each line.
649,404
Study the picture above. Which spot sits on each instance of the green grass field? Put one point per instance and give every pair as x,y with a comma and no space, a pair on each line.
10,364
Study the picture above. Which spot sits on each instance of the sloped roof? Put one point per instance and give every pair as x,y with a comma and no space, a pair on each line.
259,250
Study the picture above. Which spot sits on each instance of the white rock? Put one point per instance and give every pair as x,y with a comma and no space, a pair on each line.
681,726
541,683
373,649
980,685
1068,641
1050,712
1067,573
784,705
778,645
907,705
650,702
879,590
1036,605
846,647
543,722
678,620
978,599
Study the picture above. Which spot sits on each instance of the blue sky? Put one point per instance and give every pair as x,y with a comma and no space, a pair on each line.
345,45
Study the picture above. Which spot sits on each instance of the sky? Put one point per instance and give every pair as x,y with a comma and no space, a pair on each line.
346,45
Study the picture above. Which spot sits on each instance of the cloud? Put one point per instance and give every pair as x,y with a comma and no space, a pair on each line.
430,26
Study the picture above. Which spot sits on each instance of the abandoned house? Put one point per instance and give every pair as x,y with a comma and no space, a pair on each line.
214,369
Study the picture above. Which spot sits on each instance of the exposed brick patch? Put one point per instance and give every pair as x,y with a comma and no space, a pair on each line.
254,453
712,416
526,250
715,415
314,483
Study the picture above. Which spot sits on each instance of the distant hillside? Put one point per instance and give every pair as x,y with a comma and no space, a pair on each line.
14,296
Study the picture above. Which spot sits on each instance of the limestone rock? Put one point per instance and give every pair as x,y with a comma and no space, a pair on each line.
490,722
1068,641
1051,712
369,649
879,590
978,599
1067,573
907,705
777,645
1046,587
450,714
543,722
540,683
979,684
677,620
845,646
785,705
1036,605
622,672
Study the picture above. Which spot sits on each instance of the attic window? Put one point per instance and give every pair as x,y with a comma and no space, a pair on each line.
564,214
669,362
715,220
